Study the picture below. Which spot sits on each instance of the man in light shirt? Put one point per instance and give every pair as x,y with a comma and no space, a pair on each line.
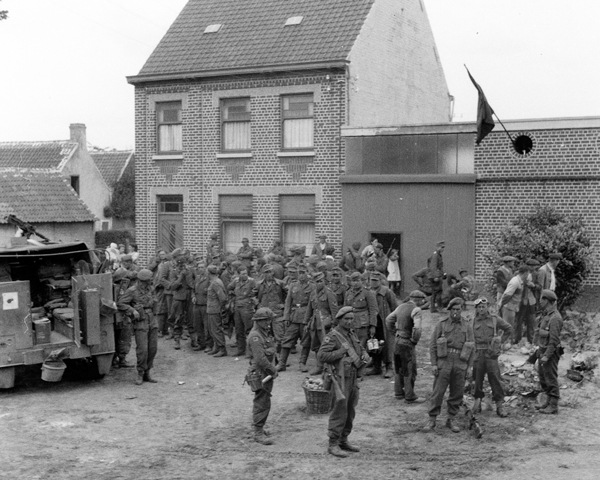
546,277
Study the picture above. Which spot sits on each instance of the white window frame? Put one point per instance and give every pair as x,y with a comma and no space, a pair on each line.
235,123
297,124
169,130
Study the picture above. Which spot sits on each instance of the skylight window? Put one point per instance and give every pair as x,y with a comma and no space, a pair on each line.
213,28
294,21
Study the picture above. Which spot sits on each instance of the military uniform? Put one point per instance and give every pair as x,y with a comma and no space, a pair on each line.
163,295
547,337
485,328
244,302
337,348
452,369
386,303
245,254
123,327
262,361
365,311
435,274
216,298
322,309
406,323
199,299
271,295
139,298
180,288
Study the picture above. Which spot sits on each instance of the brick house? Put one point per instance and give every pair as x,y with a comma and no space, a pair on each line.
437,184
239,108
70,159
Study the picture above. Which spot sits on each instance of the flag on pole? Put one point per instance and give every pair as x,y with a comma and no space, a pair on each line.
485,122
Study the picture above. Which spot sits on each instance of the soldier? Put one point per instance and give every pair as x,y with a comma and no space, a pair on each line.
246,253
212,244
488,346
525,316
127,263
199,300
138,302
216,298
272,296
421,279
262,358
182,283
162,290
365,308
336,285
386,303
345,357
322,308
436,275
547,338
123,328
277,249
451,349
277,262
244,290
406,322
320,247
381,259
294,314
352,260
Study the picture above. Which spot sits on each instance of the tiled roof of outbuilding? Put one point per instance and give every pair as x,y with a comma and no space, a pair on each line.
254,35
39,155
36,197
111,164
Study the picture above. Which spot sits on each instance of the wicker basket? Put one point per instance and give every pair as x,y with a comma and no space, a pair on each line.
317,401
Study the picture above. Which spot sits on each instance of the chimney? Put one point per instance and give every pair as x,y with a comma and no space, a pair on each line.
78,135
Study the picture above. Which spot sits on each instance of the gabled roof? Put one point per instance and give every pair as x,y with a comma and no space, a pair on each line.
39,155
112,164
253,35
40,197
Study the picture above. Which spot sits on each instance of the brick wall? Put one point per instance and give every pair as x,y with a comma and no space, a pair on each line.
202,176
562,170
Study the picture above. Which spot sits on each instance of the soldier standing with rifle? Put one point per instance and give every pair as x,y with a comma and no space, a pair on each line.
345,358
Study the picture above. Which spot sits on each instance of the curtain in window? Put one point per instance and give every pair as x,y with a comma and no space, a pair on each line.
170,138
236,136
298,233
233,232
298,133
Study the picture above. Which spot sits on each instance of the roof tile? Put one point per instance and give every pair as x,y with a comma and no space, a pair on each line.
111,164
39,155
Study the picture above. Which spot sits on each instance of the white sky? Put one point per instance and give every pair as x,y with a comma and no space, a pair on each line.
65,61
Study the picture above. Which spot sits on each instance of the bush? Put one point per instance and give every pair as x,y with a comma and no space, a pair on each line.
122,204
536,235
105,237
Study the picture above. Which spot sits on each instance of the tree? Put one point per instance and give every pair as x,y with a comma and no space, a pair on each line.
122,204
539,233
3,14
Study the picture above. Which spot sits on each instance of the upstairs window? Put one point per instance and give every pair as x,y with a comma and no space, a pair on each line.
169,127
298,121
235,125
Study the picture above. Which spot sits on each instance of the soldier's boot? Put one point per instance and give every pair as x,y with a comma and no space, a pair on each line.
194,341
543,405
139,380
335,450
177,345
285,353
552,407
500,409
213,350
303,358
221,353
430,427
261,437
398,390
123,363
452,425
149,378
477,406
318,370
388,372
347,446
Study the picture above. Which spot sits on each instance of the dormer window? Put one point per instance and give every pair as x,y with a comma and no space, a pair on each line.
213,28
294,21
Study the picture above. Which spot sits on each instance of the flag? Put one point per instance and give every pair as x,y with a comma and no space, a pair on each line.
485,122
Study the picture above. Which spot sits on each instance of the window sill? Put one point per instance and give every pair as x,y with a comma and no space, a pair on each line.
167,156
304,153
234,155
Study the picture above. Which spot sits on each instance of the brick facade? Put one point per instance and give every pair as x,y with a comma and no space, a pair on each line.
562,170
201,175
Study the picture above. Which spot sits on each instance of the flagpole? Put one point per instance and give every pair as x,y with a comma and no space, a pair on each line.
500,121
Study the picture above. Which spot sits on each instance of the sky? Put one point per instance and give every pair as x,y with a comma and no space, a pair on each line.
65,61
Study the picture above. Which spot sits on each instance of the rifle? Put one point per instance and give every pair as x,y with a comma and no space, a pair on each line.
27,228
390,249
337,389
473,423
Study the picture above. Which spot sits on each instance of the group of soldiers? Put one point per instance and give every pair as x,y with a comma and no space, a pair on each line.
343,312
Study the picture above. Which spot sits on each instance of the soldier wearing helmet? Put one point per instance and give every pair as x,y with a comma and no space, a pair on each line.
123,329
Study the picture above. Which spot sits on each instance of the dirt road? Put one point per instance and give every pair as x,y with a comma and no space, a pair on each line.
195,424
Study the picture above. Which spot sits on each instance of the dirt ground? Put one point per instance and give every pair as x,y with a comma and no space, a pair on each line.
196,424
